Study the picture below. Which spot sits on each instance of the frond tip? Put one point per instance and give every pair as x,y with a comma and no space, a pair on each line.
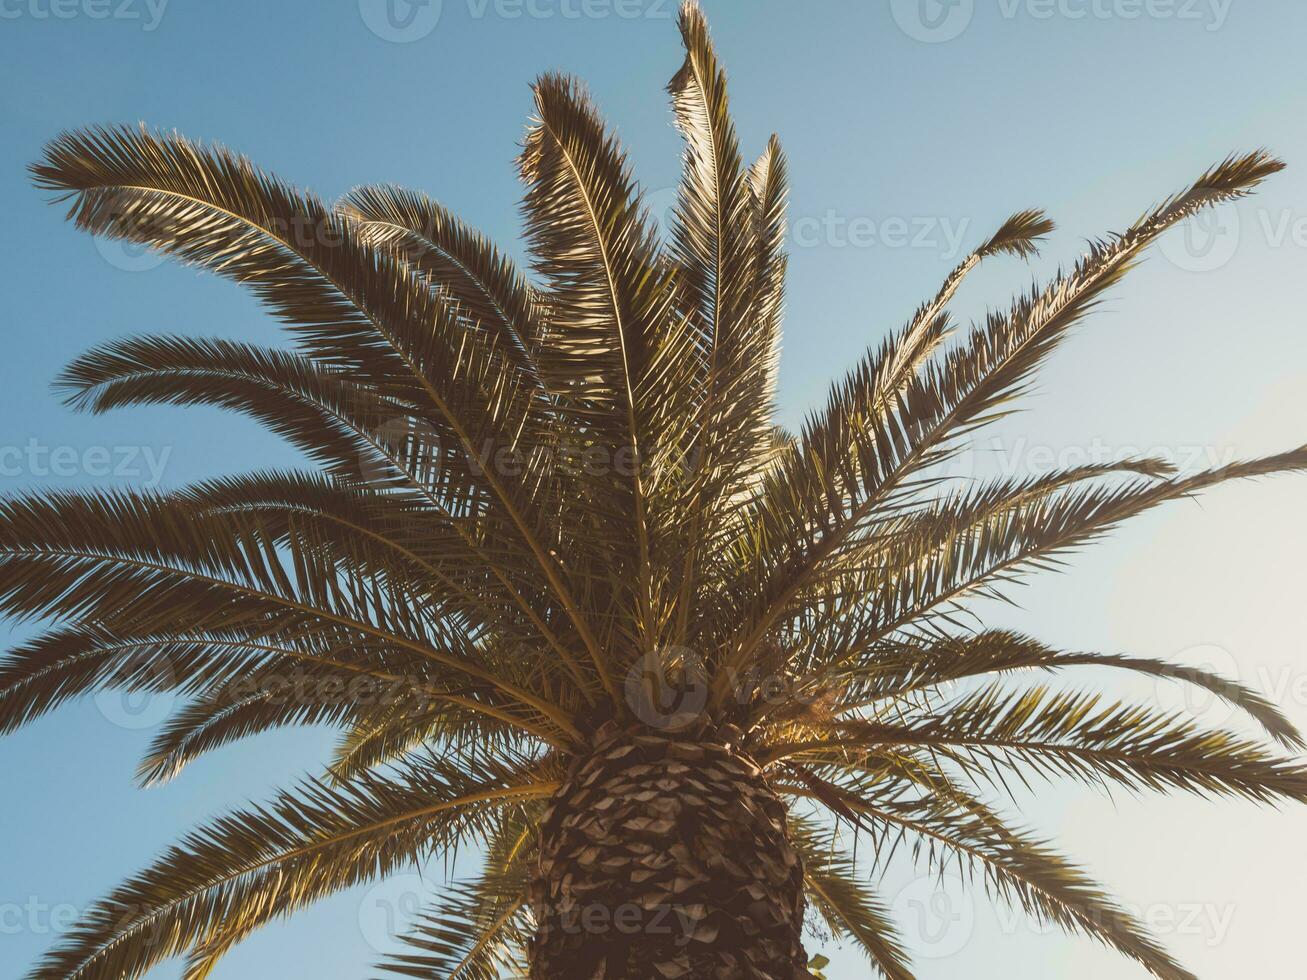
1239,174
1020,235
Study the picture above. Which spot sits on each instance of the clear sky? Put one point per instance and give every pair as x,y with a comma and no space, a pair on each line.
913,128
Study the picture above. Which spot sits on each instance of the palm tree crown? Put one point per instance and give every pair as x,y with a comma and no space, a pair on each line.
552,512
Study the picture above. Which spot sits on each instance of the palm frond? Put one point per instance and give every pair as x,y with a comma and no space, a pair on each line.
849,907
456,259
1012,866
351,305
1082,736
240,872
148,563
609,298
727,242
476,930
973,546
832,488
916,668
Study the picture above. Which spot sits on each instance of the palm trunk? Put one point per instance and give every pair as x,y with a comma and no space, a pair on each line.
663,859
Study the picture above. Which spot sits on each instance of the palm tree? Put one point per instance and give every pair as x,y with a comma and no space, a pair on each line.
570,596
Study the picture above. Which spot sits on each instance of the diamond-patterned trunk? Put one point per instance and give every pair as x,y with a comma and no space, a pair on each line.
661,860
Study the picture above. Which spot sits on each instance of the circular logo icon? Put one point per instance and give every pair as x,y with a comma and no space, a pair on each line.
1206,242
965,464
668,691
400,21
392,908
401,447
933,21
936,914
128,256
1181,697
149,699
661,205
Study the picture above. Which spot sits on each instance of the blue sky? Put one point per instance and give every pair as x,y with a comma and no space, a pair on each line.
913,128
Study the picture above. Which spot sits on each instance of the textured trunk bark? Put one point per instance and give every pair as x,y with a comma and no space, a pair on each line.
663,859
